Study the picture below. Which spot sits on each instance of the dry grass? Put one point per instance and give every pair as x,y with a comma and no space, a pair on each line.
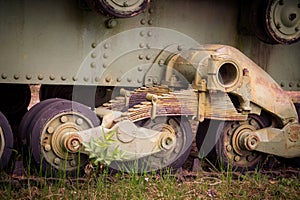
203,185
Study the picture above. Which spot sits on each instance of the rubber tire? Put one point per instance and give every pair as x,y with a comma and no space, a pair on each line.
8,139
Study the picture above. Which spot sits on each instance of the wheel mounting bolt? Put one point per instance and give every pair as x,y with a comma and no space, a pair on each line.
237,158
63,119
50,129
249,158
47,147
79,121
73,163
229,133
57,161
229,147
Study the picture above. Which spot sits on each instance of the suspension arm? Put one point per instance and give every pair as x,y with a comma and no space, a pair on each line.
135,142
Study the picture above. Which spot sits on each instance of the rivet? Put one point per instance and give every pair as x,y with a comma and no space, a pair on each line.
79,121
106,46
179,48
148,57
148,46
40,77
111,23
64,119
108,79
296,29
119,79
141,56
237,158
104,65
161,62
142,45
129,79
140,68
28,77
93,65
47,147
94,45
74,78
142,33
86,79
50,129
143,21
149,33
93,55
52,77
63,78
282,84
298,85
139,80
105,55
97,79
4,76
16,76
57,161
150,21
291,84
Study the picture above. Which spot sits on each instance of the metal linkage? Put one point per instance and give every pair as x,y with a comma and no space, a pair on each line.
283,142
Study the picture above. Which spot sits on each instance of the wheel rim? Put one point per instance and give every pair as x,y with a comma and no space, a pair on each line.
173,158
52,134
51,125
229,151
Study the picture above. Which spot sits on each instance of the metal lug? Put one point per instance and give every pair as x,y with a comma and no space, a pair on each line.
283,142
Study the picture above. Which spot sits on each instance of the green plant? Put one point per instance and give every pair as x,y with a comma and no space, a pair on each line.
100,149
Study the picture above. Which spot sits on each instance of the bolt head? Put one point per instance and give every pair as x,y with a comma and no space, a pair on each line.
64,119
237,158
47,147
228,147
56,161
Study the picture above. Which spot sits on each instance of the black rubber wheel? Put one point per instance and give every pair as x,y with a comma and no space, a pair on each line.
28,119
169,160
6,141
55,160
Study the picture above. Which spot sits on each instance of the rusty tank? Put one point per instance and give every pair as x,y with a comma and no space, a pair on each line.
133,83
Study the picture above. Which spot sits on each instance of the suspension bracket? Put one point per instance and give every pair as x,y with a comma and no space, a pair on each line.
283,142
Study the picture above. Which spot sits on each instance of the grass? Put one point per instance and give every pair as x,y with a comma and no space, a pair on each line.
202,185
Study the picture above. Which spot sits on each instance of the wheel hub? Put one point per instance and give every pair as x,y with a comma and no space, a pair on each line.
54,146
238,139
234,143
